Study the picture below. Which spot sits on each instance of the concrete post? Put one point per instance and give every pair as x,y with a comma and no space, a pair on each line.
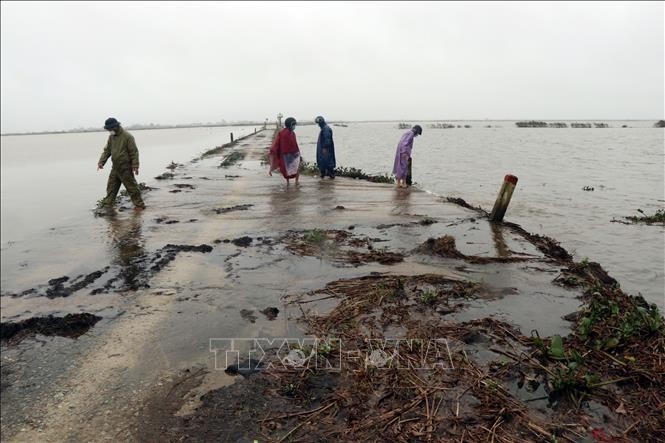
502,200
232,137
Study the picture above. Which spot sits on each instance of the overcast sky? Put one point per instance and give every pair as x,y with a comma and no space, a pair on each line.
67,65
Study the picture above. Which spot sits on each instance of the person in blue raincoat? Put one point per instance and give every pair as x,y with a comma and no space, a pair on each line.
325,149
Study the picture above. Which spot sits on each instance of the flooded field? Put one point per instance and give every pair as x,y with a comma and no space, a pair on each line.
51,179
624,166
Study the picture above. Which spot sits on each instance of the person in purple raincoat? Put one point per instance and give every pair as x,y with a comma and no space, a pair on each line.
403,155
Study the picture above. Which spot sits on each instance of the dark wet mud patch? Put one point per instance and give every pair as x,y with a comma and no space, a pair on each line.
343,248
166,221
137,271
175,191
245,368
243,241
445,247
248,315
71,326
270,313
63,286
244,207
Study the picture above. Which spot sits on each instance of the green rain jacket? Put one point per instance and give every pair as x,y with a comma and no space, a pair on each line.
122,149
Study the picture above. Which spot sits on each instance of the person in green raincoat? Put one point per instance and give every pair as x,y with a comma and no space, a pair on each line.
124,154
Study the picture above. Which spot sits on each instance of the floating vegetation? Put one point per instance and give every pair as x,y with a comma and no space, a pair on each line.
531,124
312,169
588,188
441,126
404,126
658,217
359,174
232,158
659,124
542,124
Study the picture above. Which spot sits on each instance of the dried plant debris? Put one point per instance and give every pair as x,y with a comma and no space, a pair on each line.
340,247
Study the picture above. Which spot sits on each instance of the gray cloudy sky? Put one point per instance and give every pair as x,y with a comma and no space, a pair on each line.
67,65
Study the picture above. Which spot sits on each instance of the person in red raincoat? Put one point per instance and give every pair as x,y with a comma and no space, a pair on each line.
284,153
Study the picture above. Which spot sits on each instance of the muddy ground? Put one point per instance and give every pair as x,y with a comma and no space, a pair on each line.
407,318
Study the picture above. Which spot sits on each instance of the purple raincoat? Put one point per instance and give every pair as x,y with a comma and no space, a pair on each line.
403,154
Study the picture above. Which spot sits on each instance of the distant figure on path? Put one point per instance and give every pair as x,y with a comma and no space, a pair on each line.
284,153
402,166
325,149
124,154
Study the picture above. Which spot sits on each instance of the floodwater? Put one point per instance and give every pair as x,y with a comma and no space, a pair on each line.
624,166
50,182
104,383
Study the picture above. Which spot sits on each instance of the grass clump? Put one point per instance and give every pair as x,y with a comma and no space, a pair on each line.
232,158
429,297
315,237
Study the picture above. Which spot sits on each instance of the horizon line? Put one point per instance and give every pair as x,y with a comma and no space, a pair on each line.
143,126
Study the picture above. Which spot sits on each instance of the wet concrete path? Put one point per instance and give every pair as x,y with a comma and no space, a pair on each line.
161,305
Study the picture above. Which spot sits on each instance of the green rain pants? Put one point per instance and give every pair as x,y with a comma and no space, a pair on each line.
124,176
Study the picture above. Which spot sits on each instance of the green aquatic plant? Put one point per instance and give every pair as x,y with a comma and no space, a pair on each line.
324,349
428,297
315,236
